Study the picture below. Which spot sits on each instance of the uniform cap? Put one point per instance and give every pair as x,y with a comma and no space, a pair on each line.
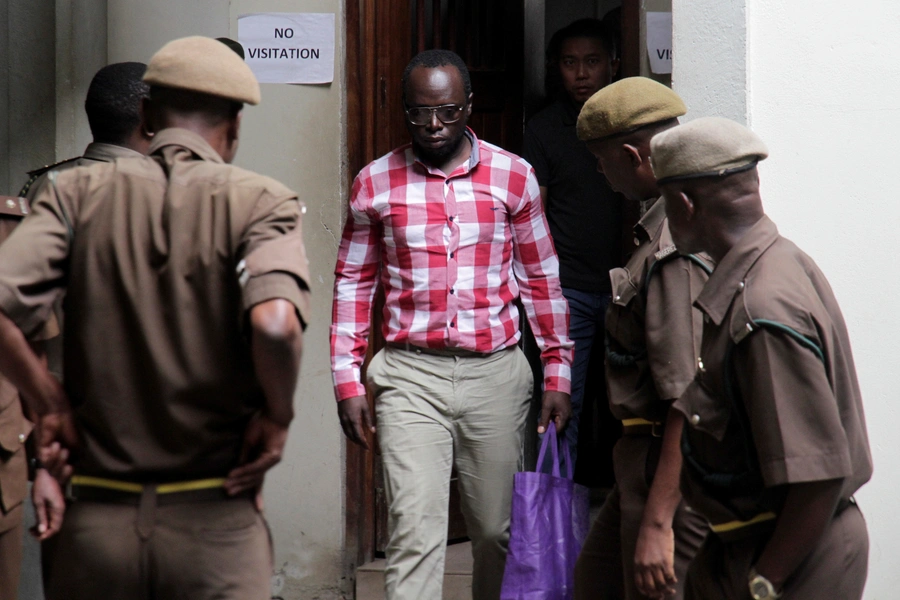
626,105
705,147
202,64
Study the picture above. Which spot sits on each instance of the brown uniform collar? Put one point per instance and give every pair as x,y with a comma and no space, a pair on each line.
652,220
108,152
176,136
725,280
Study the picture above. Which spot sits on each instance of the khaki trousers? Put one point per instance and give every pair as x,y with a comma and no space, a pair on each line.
185,551
11,533
836,567
605,568
434,412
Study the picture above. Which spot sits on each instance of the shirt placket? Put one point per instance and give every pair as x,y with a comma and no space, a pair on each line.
451,241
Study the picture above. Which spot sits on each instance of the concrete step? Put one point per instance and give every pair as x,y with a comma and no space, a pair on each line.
457,576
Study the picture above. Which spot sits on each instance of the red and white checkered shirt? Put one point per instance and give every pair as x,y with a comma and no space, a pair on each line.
452,253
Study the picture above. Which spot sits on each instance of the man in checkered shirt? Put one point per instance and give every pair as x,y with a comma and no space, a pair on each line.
452,229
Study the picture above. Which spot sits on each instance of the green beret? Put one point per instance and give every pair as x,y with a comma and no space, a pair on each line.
706,147
202,64
626,105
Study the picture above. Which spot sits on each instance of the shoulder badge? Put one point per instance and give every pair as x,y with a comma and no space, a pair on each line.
668,250
13,206
33,175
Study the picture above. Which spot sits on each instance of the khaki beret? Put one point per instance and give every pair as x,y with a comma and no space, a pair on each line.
202,64
706,147
626,105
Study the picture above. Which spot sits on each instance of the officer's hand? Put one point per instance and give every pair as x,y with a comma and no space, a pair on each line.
49,505
264,441
56,438
557,407
355,418
654,561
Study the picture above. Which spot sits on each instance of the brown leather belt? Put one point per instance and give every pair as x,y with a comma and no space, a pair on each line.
639,426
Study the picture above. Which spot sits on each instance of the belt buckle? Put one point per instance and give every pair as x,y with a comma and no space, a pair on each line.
656,429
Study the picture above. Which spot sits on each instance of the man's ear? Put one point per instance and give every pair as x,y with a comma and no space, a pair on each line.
234,128
633,154
688,203
469,105
614,67
145,112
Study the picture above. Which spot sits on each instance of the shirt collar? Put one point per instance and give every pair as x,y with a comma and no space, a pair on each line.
109,152
186,139
474,158
725,280
652,220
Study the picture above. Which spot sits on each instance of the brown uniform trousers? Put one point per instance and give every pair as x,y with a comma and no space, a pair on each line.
652,334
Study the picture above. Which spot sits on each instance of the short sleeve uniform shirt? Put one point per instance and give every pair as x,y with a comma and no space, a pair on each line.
798,392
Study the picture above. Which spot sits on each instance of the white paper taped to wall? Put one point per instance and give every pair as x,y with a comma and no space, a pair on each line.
289,47
659,42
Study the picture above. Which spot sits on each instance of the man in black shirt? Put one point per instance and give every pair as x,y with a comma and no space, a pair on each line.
585,215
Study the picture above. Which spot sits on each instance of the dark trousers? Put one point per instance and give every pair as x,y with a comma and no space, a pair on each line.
187,551
605,568
836,568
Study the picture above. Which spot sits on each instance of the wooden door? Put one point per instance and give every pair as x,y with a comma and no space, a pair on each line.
382,36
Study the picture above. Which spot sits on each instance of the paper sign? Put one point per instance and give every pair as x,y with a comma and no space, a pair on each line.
659,41
289,47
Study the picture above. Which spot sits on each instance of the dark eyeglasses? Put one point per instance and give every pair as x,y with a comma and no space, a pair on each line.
446,114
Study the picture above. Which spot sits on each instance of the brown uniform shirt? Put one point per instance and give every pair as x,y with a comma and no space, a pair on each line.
14,428
94,153
804,414
159,259
653,331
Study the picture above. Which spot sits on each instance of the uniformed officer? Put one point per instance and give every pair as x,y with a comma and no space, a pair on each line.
14,431
185,283
113,105
776,443
644,537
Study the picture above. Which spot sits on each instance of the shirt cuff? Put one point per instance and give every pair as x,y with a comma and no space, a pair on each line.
347,384
277,285
557,378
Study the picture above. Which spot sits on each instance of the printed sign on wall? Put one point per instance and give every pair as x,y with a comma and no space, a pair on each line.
659,41
289,47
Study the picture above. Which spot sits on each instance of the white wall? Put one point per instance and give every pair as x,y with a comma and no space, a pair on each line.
822,87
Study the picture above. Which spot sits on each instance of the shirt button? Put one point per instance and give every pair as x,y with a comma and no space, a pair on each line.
21,438
695,419
741,287
451,255
11,203
451,218
452,290
452,324
637,242
700,364
618,298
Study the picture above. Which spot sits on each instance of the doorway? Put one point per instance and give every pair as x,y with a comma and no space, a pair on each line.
495,38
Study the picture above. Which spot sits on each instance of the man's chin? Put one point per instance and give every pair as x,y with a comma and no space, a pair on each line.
438,154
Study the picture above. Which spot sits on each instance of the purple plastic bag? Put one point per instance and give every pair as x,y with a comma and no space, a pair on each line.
548,525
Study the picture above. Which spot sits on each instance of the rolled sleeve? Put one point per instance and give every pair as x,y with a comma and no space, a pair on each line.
33,261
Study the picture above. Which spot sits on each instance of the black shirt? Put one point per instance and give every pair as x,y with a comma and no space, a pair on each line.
585,215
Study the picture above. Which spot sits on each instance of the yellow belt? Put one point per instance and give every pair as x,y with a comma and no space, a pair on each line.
732,525
137,488
638,421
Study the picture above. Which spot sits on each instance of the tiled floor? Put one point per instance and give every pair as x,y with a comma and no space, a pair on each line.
457,576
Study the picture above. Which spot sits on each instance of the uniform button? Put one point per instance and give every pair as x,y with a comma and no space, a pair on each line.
21,438
618,298
700,364
637,242
741,287
11,203
695,419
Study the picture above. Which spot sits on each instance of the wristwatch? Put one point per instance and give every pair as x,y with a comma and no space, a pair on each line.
761,588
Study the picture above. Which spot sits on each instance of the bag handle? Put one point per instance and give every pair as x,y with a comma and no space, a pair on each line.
550,438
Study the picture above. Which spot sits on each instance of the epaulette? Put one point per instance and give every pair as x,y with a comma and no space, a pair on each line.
33,175
11,206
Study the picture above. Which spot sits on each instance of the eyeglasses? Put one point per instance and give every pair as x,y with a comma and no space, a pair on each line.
446,114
